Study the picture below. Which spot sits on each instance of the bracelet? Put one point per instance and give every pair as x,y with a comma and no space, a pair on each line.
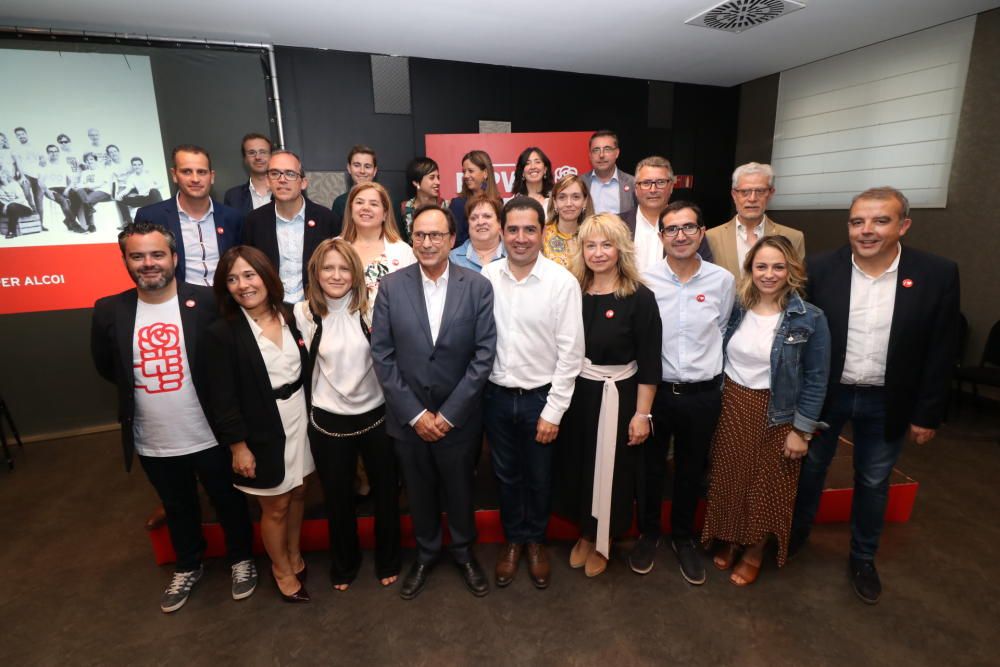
649,417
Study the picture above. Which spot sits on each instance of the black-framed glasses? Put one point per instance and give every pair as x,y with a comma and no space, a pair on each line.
437,238
689,229
659,184
289,174
597,150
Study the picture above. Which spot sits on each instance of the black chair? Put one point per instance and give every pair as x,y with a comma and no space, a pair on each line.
988,370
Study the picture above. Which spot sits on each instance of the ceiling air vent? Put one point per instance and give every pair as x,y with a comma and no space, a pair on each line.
740,15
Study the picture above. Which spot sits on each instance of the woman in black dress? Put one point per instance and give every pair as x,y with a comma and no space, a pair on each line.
597,459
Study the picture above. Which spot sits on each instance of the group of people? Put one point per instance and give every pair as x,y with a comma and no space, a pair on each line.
581,328
76,181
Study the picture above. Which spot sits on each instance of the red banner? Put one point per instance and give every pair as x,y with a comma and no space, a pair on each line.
566,150
40,278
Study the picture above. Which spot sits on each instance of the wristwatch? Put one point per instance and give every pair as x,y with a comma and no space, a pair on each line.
803,434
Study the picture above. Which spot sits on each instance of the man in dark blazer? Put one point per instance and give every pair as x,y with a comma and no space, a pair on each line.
302,224
249,196
433,344
611,189
893,314
203,227
145,340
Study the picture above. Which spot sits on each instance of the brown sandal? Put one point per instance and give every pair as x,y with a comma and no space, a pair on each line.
726,556
746,571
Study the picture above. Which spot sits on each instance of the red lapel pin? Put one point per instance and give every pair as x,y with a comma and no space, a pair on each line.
907,283
189,303
221,230
311,223
609,314
700,298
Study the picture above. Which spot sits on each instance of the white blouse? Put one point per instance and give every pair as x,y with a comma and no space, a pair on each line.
283,363
344,381
748,356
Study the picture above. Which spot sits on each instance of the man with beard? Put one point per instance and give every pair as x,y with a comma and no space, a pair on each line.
248,197
145,341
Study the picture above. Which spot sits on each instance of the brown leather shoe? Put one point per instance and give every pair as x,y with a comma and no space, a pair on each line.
538,565
510,556
156,519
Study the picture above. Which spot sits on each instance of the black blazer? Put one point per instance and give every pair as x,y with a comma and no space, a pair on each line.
241,404
628,217
923,337
260,231
238,197
111,332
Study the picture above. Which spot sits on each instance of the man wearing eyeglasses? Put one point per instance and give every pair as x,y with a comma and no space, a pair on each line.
433,344
248,197
203,227
654,183
695,298
289,228
753,185
610,188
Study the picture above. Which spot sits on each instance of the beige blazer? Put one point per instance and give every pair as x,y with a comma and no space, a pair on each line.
722,241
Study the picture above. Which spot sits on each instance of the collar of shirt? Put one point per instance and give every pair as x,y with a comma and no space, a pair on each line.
741,229
613,179
256,328
258,195
300,216
186,217
473,256
892,267
538,270
675,278
639,217
434,284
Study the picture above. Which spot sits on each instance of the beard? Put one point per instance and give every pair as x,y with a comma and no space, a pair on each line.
154,281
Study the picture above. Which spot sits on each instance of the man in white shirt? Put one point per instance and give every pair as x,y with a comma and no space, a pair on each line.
654,183
540,348
140,189
93,186
145,341
54,179
29,163
894,316
433,344
611,189
247,197
695,298
753,185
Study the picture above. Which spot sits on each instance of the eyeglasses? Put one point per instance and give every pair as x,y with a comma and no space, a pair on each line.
64,141
261,153
660,184
597,150
437,238
689,229
290,175
746,192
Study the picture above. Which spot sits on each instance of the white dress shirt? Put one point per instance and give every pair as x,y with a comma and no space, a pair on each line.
694,316
291,238
201,245
648,246
605,196
873,301
748,355
259,200
742,245
539,331
434,295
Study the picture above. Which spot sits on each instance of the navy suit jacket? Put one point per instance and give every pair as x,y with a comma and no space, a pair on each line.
704,250
261,232
228,226
111,333
446,376
238,197
923,337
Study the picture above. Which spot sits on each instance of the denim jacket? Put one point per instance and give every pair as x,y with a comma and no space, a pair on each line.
800,364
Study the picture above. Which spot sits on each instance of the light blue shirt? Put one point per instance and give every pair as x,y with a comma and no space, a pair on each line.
201,245
291,237
605,195
467,257
694,315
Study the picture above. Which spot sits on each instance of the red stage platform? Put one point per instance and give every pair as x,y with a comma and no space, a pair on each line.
835,507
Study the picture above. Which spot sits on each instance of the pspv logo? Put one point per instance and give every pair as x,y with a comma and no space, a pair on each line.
564,170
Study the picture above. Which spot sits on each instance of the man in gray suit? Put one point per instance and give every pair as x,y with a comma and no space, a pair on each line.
433,344
611,190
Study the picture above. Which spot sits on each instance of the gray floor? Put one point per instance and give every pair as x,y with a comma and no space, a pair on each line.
79,587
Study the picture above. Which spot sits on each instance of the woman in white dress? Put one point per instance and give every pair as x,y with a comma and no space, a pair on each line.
258,396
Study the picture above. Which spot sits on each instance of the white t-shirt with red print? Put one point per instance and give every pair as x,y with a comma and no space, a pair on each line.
169,420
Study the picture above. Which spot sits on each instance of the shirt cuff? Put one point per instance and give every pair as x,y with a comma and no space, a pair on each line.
417,418
441,415
551,415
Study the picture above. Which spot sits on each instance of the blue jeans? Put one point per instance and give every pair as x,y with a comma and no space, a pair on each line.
874,459
523,466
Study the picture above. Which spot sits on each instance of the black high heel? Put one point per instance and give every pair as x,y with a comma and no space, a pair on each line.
301,595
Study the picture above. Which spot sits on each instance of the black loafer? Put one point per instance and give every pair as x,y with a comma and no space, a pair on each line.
865,581
415,580
475,578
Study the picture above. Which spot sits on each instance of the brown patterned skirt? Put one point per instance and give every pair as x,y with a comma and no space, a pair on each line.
752,490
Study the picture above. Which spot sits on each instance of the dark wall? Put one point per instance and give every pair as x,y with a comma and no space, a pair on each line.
328,104
966,230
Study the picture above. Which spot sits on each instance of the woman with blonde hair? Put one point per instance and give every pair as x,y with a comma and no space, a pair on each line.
597,458
370,227
777,359
348,411
569,206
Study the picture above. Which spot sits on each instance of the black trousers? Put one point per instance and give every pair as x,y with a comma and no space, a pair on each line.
428,468
176,478
336,463
690,419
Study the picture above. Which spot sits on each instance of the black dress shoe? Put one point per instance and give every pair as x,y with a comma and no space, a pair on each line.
865,581
475,578
301,595
415,580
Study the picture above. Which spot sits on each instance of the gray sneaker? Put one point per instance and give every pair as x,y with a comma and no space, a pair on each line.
179,589
244,579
